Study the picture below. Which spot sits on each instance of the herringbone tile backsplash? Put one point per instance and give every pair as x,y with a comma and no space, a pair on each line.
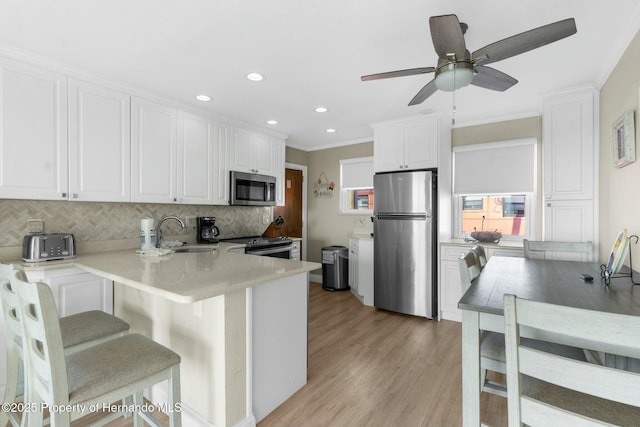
120,221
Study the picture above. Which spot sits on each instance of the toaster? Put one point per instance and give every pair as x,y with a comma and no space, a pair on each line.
46,247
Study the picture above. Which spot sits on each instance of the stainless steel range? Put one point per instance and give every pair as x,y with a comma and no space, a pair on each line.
277,247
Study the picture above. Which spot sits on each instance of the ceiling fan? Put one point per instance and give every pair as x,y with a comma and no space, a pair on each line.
457,67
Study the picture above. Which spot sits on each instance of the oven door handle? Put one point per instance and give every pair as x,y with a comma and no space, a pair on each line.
268,251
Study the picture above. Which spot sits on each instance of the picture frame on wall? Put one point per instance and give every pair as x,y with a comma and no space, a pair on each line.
624,140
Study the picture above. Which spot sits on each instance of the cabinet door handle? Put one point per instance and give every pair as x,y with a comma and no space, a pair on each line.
64,195
74,196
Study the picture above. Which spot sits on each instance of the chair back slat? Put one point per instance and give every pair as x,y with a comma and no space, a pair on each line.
567,251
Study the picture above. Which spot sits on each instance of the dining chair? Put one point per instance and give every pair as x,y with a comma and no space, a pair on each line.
92,377
568,251
551,390
480,253
78,331
491,343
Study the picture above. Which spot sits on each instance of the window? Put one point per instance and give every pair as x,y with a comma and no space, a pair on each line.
494,188
472,203
356,186
506,214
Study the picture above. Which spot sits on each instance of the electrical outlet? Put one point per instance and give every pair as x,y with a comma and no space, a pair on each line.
265,219
191,221
35,226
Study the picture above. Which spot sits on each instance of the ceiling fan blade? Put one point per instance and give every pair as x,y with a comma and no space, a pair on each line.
447,36
490,78
399,73
428,90
526,41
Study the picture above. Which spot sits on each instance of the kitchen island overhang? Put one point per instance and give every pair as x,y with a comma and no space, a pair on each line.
220,311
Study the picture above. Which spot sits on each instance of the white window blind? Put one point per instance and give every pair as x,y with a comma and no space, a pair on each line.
495,168
356,173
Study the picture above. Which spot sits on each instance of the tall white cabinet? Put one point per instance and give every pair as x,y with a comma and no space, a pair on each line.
570,165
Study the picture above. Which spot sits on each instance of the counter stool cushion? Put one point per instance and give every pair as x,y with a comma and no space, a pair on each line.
115,364
90,327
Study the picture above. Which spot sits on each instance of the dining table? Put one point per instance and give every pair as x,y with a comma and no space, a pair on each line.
551,281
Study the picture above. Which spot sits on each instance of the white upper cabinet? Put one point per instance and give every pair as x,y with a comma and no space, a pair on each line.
568,145
252,152
153,152
221,177
99,143
406,144
33,132
195,159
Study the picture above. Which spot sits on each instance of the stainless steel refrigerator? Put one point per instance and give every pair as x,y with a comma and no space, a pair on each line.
404,233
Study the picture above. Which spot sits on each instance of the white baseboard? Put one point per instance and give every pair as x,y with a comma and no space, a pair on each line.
315,278
250,421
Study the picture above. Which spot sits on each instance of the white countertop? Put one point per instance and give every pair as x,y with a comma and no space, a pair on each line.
190,277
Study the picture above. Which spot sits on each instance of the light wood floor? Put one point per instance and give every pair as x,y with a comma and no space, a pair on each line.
370,367
373,368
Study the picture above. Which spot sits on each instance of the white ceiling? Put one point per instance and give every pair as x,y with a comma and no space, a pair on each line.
313,53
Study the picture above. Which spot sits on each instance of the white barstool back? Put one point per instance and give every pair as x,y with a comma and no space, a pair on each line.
548,389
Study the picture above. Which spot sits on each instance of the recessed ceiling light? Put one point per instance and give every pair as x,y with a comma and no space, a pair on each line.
255,77
203,98
320,110
330,130
272,122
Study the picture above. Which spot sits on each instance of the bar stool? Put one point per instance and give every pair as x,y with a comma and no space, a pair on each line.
78,331
92,377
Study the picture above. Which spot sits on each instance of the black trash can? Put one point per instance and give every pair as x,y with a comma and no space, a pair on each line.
335,268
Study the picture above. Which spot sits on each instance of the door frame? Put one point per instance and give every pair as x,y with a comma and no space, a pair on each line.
303,168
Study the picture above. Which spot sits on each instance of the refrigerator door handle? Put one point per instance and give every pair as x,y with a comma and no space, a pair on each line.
402,216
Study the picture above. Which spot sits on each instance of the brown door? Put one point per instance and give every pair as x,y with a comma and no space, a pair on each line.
292,210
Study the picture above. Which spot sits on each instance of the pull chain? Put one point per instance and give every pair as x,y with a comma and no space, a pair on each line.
453,97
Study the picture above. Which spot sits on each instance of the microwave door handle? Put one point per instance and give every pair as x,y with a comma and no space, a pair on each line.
269,251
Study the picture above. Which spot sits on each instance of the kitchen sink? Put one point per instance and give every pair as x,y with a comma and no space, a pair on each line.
192,250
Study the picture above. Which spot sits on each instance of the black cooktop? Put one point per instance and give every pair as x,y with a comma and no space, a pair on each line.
259,241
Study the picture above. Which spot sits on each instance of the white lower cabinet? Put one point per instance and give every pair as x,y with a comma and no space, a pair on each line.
75,291
361,269
450,287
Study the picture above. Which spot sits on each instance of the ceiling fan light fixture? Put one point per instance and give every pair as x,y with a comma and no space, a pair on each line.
454,76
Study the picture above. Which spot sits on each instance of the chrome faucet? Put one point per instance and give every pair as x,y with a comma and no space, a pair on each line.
159,229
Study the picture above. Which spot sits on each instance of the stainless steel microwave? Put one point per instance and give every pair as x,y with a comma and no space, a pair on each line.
251,189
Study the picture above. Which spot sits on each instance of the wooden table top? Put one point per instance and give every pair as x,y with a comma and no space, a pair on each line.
556,282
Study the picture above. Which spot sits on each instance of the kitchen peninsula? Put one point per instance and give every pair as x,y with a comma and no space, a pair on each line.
238,321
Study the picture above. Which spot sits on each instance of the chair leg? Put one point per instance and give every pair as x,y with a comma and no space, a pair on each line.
137,403
175,411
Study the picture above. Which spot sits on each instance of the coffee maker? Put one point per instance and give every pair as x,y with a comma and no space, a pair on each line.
207,229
